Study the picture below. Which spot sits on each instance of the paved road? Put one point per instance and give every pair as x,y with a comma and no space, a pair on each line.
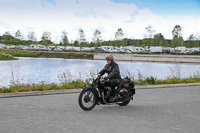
164,110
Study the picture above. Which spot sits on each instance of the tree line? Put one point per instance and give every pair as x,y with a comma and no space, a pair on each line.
151,38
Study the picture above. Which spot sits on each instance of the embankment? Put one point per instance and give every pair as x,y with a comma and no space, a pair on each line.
152,58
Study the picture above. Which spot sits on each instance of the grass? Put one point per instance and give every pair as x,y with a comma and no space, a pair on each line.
42,87
20,53
25,53
153,81
4,56
174,80
74,84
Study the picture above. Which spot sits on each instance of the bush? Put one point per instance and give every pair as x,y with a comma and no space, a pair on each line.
53,86
150,80
159,82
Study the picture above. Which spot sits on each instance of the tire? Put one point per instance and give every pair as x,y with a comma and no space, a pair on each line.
126,102
87,96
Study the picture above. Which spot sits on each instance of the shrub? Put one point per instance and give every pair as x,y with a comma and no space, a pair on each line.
159,82
150,80
53,86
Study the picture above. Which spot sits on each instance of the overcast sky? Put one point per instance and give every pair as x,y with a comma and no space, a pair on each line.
105,15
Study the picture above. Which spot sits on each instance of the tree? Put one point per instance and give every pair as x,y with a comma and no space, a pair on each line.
64,38
148,36
149,32
159,40
177,31
46,38
31,36
1,39
81,36
76,43
7,33
97,38
177,36
7,38
119,34
190,41
197,40
191,38
18,35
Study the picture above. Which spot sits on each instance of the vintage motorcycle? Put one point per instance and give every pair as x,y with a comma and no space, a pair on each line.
99,91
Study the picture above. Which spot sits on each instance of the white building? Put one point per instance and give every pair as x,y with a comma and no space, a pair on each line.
77,49
10,46
155,49
2,45
135,49
196,49
50,48
86,49
180,49
60,48
37,47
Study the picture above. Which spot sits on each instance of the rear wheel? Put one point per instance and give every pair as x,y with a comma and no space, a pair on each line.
87,100
125,102
124,93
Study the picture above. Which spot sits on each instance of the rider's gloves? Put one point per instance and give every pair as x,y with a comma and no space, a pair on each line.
98,76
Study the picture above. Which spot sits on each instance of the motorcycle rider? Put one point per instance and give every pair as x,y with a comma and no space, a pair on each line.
114,77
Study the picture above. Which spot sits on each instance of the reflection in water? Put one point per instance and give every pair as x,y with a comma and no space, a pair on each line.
33,70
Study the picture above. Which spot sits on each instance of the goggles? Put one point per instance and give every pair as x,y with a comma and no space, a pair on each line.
108,59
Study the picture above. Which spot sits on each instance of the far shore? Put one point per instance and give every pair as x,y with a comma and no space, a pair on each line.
101,56
151,58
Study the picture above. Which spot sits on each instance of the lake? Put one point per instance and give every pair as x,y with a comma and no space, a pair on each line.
34,70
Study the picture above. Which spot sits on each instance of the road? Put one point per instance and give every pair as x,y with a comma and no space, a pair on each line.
163,110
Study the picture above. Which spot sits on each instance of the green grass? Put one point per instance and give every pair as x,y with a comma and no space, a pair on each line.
20,53
4,56
79,84
42,87
25,53
153,81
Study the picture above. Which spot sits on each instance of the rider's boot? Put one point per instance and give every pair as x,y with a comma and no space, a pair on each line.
112,97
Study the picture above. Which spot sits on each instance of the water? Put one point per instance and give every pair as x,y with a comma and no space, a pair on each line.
34,70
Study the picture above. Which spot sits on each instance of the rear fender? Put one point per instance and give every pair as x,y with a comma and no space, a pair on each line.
132,85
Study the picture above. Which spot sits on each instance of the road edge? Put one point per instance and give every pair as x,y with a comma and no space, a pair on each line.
67,91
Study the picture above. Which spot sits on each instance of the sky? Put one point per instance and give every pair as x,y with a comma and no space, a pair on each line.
132,16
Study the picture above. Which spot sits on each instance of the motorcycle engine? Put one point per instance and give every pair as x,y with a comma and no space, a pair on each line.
108,91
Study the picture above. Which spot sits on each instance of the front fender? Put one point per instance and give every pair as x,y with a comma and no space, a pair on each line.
87,86
91,88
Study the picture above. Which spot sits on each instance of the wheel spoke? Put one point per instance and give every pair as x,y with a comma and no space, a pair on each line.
88,99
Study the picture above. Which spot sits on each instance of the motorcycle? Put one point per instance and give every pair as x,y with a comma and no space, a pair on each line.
99,92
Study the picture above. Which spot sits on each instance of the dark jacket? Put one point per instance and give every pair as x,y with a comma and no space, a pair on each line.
112,70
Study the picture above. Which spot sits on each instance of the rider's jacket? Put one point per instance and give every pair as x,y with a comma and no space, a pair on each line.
112,70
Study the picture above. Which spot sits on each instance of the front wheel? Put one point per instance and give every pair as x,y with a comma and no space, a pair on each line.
87,100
